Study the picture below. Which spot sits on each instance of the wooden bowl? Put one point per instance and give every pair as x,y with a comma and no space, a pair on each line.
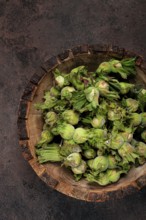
30,124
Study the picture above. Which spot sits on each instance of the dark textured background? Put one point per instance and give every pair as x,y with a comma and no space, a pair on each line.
30,32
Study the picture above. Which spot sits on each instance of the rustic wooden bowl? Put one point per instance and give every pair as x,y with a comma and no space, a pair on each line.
30,124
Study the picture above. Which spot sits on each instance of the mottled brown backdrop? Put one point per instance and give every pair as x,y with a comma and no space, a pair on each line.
31,31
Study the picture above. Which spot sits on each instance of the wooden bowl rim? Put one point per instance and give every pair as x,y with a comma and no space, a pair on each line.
23,112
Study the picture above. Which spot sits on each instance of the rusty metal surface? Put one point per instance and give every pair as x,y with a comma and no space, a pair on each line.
31,31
